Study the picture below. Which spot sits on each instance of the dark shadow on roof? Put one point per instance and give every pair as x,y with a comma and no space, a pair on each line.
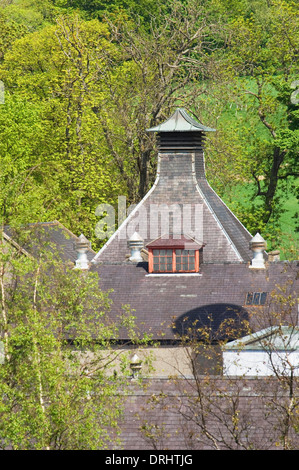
213,323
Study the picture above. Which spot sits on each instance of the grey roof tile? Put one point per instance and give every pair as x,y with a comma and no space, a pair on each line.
159,300
49,236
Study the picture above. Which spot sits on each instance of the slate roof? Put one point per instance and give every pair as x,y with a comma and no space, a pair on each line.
161,302
51,236
182,189
164,304
162,415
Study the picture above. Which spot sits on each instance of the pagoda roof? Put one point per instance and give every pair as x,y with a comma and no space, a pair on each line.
180,121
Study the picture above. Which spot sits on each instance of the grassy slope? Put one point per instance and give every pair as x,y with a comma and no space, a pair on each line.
289,246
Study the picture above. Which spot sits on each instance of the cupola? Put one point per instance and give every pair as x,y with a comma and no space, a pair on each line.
180,132
82,245
258,245
182,202
136,244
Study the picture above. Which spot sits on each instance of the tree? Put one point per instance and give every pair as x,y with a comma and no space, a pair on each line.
98,8
99,85
56,382
262,53
157,70
98,90
10,31
28,15
59,72
215,409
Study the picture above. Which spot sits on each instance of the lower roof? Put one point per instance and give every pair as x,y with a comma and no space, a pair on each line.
52,237
161,303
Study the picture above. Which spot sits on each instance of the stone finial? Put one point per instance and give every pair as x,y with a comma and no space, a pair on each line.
135,365
136,243
82,245
274,256
258,245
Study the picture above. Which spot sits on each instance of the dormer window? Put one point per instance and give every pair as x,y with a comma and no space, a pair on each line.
174,255
162,261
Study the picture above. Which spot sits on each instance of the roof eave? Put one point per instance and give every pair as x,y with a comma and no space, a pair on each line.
180,121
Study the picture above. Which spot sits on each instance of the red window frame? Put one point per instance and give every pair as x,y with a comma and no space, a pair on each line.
163,256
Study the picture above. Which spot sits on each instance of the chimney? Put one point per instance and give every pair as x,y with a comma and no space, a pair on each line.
181,136
82,245
257,245
274,256
136,244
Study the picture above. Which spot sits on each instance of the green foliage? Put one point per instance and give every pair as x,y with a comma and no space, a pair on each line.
92,86
256,118
99,8
61,80
21,166
57,384
10,31
83,80
30,15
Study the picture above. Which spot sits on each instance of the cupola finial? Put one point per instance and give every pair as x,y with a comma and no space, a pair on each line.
258,245
82,245
136,243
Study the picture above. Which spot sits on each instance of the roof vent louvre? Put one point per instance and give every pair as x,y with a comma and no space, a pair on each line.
258,245
136,243
82,245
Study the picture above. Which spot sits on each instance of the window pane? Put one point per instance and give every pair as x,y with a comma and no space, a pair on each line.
191,264
162,264
256,298
185,260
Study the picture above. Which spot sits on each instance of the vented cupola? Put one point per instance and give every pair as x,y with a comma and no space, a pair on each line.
181,201
180,132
